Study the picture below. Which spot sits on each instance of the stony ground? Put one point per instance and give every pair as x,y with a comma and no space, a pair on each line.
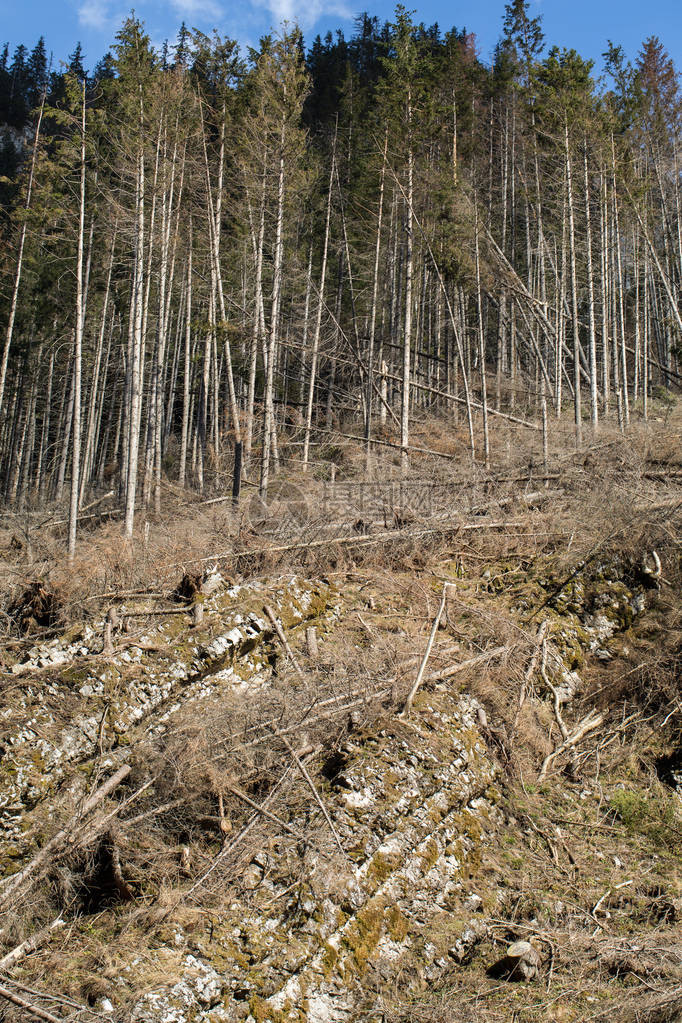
283,844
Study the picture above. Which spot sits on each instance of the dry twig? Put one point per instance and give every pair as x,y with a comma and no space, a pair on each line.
588,724
32,1010
30,944
311,784
407,707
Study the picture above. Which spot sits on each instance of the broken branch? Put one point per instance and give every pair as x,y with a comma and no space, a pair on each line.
588,724
13,882
407,707
318,799
282,638
30,944
32,1010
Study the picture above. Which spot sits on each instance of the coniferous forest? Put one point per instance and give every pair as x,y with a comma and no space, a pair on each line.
205,249
341,530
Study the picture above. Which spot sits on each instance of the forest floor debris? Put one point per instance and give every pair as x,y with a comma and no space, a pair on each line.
286,846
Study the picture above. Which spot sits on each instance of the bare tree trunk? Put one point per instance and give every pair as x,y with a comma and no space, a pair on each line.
41,475
259,318
165,287
638,340
64,427
481,354
645,341
274,327
662,274
89,454
20,256
594,403
215,214
545,438
407,327
604,231
574,296
375,295
318,318
133,440
78,353
25,454
619,291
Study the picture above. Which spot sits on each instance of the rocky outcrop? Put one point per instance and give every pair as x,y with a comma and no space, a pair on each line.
411,805
72,704
313,933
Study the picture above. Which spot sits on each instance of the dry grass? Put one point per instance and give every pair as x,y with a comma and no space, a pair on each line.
608,505
607,475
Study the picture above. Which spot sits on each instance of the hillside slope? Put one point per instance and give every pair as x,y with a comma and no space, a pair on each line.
226,816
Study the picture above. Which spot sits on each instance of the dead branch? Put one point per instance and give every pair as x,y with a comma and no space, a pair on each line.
154,812
32,1010
283,639
225,851
311,784
588,724
365,541
265,813
528,674
557,710
472,662
407,707
151,612
339,705
30,944
88,507
354,696
12,883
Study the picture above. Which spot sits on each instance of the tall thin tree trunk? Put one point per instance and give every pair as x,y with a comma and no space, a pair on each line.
481,354
318,318
574,295
274,326
594,403
375,295
20,256
78,352
184,433
133,440
89,453
407,326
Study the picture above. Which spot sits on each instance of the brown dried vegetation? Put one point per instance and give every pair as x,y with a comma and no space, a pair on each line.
587,862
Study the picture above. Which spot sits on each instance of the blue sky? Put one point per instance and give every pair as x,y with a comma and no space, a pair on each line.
583,24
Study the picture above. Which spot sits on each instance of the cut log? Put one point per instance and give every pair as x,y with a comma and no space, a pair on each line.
311,643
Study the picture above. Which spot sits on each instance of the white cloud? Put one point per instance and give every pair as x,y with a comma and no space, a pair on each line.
95,14
197,8
306,12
